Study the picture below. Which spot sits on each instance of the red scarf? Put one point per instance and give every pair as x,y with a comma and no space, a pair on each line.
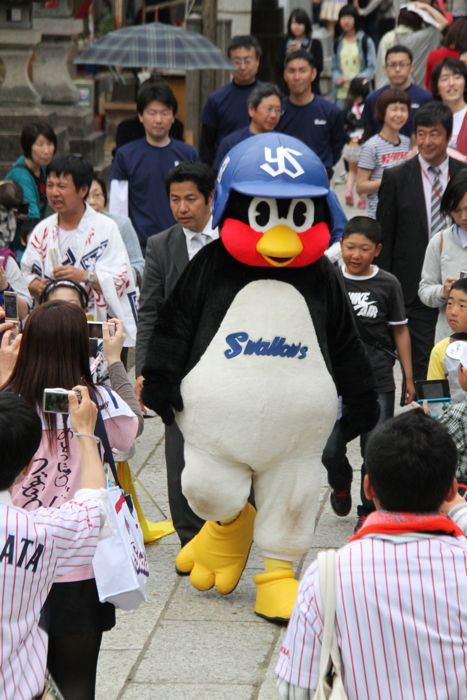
392,523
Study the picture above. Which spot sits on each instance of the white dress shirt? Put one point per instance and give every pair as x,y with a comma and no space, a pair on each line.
196,241
427,179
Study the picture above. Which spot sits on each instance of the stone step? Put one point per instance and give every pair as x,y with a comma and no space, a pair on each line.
90,147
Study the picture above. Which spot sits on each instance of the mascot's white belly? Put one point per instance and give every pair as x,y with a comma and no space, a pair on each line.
262,390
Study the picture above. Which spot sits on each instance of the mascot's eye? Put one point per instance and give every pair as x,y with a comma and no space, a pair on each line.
262,213
301,214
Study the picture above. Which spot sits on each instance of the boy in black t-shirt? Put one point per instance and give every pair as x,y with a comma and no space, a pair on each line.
378,304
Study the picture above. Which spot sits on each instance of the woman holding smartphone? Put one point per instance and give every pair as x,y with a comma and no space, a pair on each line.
446,254
54,352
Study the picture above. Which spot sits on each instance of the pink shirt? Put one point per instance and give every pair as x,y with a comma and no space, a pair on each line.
54,476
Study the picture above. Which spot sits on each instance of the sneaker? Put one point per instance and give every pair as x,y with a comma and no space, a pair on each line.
341,502
360,522
361,204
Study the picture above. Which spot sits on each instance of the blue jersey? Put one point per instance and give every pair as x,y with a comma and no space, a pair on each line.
229,142
145,167
418,97
226,109
319,124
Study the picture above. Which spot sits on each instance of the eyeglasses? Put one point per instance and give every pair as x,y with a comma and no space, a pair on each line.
272,110
243,61
398,64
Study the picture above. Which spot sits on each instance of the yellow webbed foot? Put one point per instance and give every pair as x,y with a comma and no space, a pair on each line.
217,555
276,592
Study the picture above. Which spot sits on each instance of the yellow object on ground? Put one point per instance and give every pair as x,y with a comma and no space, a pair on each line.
217,555
152,531
276,592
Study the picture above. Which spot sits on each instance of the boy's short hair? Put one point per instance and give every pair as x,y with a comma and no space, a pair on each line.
399,49
411,463
433,113
156,91
455,191
302,54
365,226
20,436
201,174
79,169
388,97
244,41
460,284
11,194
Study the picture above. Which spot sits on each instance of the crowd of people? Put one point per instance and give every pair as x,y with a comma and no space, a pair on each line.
396,124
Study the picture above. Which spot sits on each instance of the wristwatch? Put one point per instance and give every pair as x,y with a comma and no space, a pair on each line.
91,276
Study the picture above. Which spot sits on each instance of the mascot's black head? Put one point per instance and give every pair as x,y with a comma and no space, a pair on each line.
270,202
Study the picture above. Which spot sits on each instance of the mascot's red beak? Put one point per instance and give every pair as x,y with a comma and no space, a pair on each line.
279,246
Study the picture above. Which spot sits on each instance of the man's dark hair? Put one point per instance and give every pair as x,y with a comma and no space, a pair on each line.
399,49
31,132
433,113
455,190
460,284
20,436
365,226
411,462
79,169
453,65
260,92
157,91
300,53
199,173
389,97
245,41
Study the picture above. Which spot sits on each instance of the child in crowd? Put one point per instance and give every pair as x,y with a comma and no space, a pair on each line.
354,127
385,149
444,358
377,300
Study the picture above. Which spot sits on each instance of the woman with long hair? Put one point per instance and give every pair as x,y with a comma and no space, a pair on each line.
54,353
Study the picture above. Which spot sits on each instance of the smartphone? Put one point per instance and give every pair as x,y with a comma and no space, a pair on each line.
11,306
463,273
56,400
95,329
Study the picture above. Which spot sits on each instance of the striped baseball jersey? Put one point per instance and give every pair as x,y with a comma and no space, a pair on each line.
401,620
35,548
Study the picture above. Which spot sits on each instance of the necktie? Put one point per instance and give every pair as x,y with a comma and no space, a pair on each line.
198,241
437,219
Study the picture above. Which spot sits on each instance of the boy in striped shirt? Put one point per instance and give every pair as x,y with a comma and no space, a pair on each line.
401,589
38,546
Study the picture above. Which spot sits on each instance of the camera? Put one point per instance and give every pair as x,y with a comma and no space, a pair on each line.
436,392
11,306
56,400
95,329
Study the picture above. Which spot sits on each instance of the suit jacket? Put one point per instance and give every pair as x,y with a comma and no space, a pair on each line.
166,258
402,214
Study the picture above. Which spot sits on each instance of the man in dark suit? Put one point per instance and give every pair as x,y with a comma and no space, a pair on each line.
409,213
190,189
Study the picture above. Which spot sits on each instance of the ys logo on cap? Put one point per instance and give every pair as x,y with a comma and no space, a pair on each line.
284,155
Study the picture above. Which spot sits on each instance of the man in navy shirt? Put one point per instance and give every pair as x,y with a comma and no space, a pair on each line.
264,107
398,66
225,109
310,118
137,178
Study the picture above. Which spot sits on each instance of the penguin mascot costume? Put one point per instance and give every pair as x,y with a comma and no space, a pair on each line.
251,351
